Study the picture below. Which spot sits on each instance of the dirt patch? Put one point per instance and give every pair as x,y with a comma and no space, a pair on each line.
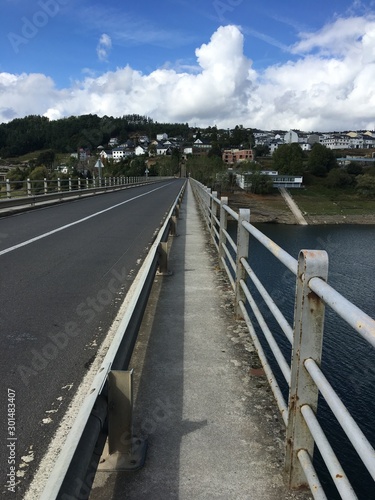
269,208
272,209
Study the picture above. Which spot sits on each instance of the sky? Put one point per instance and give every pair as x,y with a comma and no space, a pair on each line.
262,64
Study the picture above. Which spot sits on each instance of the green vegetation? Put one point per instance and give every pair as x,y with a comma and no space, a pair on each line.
36,145
319,199
288,159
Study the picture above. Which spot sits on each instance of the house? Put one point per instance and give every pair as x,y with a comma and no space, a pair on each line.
335,141
199,144
143,139
368,141
163,149
231,156
161,137
120,153
275,144
106,155
290,137
113,141
140,150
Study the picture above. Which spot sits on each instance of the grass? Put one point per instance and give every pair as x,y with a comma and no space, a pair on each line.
321,200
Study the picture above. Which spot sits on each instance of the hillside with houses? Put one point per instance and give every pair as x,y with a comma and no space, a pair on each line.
133,145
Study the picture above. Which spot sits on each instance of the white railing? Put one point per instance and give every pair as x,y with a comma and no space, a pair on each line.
36,187
304,377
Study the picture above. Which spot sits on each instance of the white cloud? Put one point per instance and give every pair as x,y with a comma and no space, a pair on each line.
328,86
103,47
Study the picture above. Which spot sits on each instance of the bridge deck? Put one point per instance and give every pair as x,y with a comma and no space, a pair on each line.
214,431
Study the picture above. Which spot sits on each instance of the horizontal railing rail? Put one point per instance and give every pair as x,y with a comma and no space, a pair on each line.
32,192
79,453
304,376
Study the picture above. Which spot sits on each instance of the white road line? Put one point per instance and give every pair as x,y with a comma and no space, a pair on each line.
41,236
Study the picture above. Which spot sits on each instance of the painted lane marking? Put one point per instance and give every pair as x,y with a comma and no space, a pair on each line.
44,235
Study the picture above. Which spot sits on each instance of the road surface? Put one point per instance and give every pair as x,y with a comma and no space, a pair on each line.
64,271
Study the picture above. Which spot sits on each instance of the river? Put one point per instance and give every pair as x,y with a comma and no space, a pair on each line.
348,361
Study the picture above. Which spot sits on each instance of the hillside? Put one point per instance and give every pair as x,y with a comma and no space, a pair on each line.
317,208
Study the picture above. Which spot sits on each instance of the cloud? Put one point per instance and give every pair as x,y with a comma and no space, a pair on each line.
328,85
103,47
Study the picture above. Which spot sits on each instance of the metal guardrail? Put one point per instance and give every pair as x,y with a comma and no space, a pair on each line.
79,456
32,192
304,376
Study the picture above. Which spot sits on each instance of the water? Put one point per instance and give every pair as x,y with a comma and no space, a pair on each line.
347,361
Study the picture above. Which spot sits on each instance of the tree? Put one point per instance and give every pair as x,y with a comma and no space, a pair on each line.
366,185
288,159
260,183
261,150
321,160
205,169
46,158
354,168
338,178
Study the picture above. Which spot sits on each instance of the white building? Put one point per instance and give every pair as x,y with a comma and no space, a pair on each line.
288,181
161,137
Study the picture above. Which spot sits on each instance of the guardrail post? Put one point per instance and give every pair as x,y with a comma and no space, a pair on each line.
59,184
242,251
28,184
123,451
163,260
45,186
79,183
307,343
223,227
70,183
9,195
173,229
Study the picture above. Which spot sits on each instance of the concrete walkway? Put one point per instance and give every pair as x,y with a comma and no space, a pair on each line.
213,428
293,207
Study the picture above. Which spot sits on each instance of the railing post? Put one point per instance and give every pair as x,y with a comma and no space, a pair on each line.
307,343
213,214
223,227
28,183
9,195
45,186
242,251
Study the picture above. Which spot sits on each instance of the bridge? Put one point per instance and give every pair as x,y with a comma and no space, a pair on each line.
204,423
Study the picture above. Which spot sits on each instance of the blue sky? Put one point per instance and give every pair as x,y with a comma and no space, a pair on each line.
263,64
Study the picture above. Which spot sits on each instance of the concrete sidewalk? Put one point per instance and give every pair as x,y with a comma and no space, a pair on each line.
213,428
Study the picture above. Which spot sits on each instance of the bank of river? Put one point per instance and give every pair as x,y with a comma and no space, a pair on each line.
272,208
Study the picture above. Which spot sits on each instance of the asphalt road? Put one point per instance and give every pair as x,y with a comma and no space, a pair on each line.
64,271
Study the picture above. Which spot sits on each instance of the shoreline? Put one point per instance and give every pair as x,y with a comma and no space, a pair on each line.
272,209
